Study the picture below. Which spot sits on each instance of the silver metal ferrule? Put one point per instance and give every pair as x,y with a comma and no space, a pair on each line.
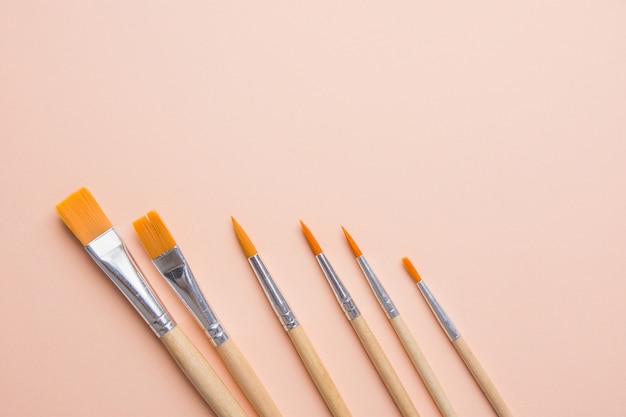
377,287
342,294
111,255
174,268
278,302
441,315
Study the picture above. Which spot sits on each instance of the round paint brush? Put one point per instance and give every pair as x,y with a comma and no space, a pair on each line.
367,338
406,338
312,362
461,346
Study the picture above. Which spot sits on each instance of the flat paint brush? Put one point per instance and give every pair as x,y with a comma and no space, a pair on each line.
298,337
366,336
84,217
169,260
476,369
404,334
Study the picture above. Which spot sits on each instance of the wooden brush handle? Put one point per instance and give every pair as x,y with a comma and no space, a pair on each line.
423,367
384,368
318,373
482,379
201,374
248,380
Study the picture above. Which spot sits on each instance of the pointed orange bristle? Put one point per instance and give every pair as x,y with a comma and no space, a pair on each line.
411,270
315,247
245,242
154,235
83,216
353,245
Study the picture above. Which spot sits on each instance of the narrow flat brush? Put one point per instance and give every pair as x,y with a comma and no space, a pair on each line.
406,338
312,362
461,346
84,217
366,336
168,258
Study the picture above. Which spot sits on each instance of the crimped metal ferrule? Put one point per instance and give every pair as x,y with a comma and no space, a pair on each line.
377,287
441,315
174,268
342,294
278,302
109,252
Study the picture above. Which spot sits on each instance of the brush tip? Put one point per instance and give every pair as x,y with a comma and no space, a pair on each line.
83,216
245,242
315,247
154,235
353,245
411,270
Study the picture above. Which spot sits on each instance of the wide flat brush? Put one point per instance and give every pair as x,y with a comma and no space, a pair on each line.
312,362
461,346
369,342
169,260
404,334
84,217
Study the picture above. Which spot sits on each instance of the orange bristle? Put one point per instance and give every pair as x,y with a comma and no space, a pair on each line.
83,216
315,247
411,270
153,233
353,245
245,242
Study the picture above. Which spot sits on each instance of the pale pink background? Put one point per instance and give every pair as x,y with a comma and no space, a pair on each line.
485,140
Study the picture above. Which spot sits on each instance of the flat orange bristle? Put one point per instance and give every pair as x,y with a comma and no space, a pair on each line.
245,242
355,248
411,270
83,216
153,233
315,247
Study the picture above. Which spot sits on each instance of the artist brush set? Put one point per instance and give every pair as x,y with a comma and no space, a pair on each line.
87,221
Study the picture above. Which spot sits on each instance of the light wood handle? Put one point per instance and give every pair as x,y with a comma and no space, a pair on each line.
201,374
482,379
423,367
248,380
318,373
384,368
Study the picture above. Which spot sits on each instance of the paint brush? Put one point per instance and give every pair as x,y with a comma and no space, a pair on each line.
169,260
461,346
404,334
363,331
298,337
86,220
